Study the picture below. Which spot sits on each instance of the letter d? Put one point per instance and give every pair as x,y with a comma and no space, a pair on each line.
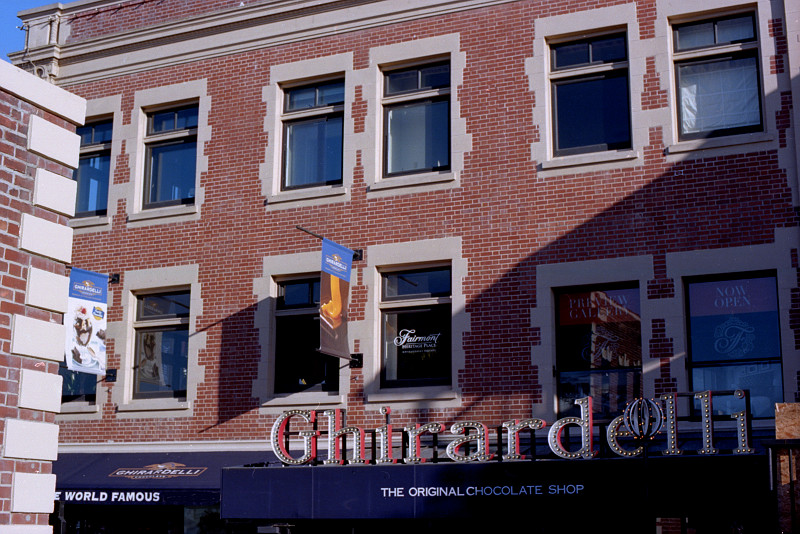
584,422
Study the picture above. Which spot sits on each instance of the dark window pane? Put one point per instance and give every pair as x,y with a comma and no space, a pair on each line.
298,294
301,98
102,132
313,152
161,362
417,137
572,54
592,114
422,283
77,386
163,306
162,122
330,94
298,364
85,133
435,77
402,81
605,50
172,172
92,177
694,35
186,118
416,346
611,391
735,30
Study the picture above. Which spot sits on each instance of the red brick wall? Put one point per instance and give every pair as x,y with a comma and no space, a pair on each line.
509,218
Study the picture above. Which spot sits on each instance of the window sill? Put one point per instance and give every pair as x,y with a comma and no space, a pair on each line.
719,142
163,213
411,180
436,393
154,405
71,408
312,193
302,399
592,158
89,222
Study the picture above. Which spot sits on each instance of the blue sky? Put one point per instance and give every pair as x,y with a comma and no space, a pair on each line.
12,39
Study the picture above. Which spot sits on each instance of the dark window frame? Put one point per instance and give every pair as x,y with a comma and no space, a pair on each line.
165,138
167,322
318,112
691,361
328,369
587,71
716,53
559,368
421,94
94,148
423,302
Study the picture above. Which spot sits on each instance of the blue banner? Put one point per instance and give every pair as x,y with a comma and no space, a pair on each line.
86,322
337,261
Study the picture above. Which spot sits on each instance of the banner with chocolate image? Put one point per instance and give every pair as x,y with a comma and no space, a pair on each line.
337,261
85,321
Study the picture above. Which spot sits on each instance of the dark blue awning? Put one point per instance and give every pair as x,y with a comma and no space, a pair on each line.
183,478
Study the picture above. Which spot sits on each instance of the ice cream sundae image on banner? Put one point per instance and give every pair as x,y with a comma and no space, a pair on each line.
85,319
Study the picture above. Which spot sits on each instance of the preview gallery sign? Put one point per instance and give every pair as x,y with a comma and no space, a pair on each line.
642,420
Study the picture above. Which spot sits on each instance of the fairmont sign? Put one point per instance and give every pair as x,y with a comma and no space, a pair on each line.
641,420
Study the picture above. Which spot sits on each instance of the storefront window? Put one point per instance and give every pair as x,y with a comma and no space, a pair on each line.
734,341
598,349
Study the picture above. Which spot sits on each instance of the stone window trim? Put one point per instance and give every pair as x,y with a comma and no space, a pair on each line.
413,255
98,110
383,59
150,281
266,289
575,27
285,77
145,103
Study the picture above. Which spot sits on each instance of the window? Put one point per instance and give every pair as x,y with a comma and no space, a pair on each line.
171,157
77,387
598,348
161,345
299,366
313,129
416,317
734,341
417,119
717,75
93,169
591,108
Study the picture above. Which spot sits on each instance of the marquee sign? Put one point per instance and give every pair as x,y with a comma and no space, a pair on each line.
642,419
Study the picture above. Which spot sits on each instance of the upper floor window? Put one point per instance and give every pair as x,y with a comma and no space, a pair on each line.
93,169
591,103
598,348
299,366
717,73
416,317
171,157
416,103
162,345
734,341
313,129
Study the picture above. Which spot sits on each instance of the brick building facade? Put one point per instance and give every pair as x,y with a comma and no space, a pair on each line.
571,199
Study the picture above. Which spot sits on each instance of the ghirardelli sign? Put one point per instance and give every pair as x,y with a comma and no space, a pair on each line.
158,471
642,419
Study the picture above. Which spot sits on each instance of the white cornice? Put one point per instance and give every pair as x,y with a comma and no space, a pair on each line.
227,32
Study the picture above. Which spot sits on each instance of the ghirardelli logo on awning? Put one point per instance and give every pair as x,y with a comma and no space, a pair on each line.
158,471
